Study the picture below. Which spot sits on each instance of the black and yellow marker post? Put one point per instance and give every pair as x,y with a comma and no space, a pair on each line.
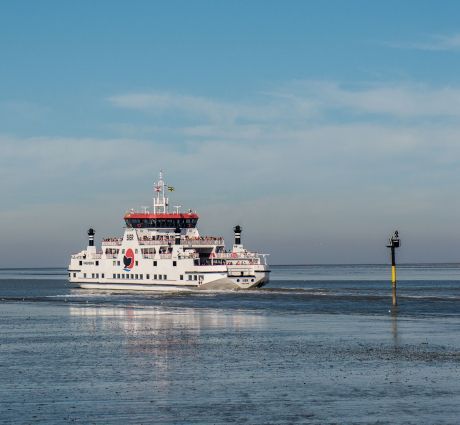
394,243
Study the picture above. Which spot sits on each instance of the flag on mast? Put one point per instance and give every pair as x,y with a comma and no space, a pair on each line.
171,188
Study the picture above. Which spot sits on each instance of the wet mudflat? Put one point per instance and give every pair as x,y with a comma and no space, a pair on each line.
300,351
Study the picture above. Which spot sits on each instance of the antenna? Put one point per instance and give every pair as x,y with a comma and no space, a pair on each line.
160,201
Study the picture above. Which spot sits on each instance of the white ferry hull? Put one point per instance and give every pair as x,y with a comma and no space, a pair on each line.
217,285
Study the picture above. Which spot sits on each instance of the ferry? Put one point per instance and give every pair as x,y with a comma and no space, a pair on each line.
163,251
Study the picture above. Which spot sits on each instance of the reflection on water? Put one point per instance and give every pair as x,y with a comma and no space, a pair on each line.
394,326
136,320
157,336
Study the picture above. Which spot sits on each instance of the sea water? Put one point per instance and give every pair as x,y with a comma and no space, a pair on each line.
318,344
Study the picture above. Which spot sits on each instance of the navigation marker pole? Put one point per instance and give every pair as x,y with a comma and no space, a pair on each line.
393,243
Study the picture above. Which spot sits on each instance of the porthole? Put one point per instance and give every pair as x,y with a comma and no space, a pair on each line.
237,280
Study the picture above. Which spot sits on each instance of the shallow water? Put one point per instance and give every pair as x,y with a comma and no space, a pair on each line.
319,344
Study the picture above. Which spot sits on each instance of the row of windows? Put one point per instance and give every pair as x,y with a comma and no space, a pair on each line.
93,275
161,223
140,276
130,276
155,263
117,263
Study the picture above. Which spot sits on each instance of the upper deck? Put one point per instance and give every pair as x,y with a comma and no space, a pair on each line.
169,240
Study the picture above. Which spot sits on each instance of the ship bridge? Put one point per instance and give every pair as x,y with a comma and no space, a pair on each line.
160,217
161,220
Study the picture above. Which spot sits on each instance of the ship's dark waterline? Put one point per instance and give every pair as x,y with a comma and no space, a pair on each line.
318,345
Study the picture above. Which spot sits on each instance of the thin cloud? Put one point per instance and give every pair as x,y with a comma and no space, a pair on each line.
297,103
435,43
387,100
192,106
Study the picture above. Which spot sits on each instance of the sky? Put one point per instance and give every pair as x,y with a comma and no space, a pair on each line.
320,127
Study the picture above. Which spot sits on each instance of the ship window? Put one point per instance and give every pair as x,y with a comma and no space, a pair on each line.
97,263
75,275
195,277
141,277
122,251
137,276
84,275
147,276
114,275
137,263
190,277
80,263
181,277
135,250
174,263
154,264
237,280
201,277
159,276
165,277
118,276
114,263
118,263
155,277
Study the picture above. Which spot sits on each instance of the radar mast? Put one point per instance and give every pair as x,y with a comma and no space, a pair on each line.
160,201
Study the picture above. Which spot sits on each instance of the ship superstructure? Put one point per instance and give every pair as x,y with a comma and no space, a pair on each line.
163,250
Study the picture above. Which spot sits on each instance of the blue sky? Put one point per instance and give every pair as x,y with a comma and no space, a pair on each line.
319,126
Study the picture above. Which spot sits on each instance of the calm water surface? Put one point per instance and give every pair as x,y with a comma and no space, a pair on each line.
319,344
